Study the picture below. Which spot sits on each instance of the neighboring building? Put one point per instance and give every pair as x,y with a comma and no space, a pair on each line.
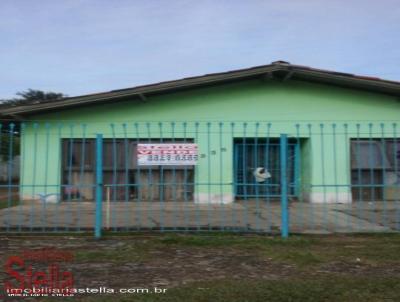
341,128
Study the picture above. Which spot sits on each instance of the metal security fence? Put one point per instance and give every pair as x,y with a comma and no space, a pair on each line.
265,177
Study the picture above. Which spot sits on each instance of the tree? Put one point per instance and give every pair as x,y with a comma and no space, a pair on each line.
8,137
31,96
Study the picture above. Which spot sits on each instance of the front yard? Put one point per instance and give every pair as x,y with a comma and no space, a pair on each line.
223,267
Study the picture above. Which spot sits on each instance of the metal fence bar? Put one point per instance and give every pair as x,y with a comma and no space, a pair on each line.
174,187
22,174
59,178
186,212
267,187
197,175
384,177
34,153
284,186
347,146
221,169
208,156
99,185
127,157
139,217
235,164
160,187
396,157
81,173
10,167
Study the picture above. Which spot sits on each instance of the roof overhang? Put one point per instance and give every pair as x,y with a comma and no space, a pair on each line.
279,70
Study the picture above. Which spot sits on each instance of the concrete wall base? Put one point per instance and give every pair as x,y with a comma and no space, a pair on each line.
328,197
49,198
205,198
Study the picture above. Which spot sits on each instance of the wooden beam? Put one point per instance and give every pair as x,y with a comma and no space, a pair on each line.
288,75
267,76
142,97
17,117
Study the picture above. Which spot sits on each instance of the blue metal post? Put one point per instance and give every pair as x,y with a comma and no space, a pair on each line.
99,185
284,186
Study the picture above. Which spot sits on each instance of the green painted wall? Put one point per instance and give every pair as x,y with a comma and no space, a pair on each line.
244,109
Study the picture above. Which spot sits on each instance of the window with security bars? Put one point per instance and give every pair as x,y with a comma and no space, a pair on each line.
122,176
375,168
251,154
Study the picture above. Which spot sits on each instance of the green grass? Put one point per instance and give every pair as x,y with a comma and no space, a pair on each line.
132,252
322,268
4,204
343,289
305,252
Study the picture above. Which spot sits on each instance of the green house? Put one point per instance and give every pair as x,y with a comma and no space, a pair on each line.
341,142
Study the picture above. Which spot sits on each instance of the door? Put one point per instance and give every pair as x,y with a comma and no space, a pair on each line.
257,167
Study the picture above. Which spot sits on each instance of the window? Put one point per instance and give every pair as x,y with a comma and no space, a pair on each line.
78,154
368,155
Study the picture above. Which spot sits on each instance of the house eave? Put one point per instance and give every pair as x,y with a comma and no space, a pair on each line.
285,70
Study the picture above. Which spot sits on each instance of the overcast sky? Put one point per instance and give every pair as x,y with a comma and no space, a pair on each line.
85,46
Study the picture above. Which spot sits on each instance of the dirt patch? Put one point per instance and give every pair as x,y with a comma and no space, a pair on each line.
171,261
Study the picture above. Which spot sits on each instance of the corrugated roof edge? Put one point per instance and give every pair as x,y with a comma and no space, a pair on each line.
298,71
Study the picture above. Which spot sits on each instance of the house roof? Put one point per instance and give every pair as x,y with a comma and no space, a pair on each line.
280,70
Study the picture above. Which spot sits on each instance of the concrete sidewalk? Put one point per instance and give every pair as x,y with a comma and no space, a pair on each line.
249,215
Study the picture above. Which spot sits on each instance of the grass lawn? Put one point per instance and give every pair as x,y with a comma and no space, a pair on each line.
323,289
225,267
4,204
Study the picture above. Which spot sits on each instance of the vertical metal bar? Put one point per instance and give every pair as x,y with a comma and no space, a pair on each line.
335,174
71,186
10,170
396,154
221,178
60,174
46,172
114,185
138,185
235,169
297,162
359,175
284,192
301,217
384,180
244,163
81,177
35,143
22,181
185,184
324,205
160,184
269,167
174,186
347,146
310,187
373,163
127,185
209,176
257,151
197,175
150,193
99,185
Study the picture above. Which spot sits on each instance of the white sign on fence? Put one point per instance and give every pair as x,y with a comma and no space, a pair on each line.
167,154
